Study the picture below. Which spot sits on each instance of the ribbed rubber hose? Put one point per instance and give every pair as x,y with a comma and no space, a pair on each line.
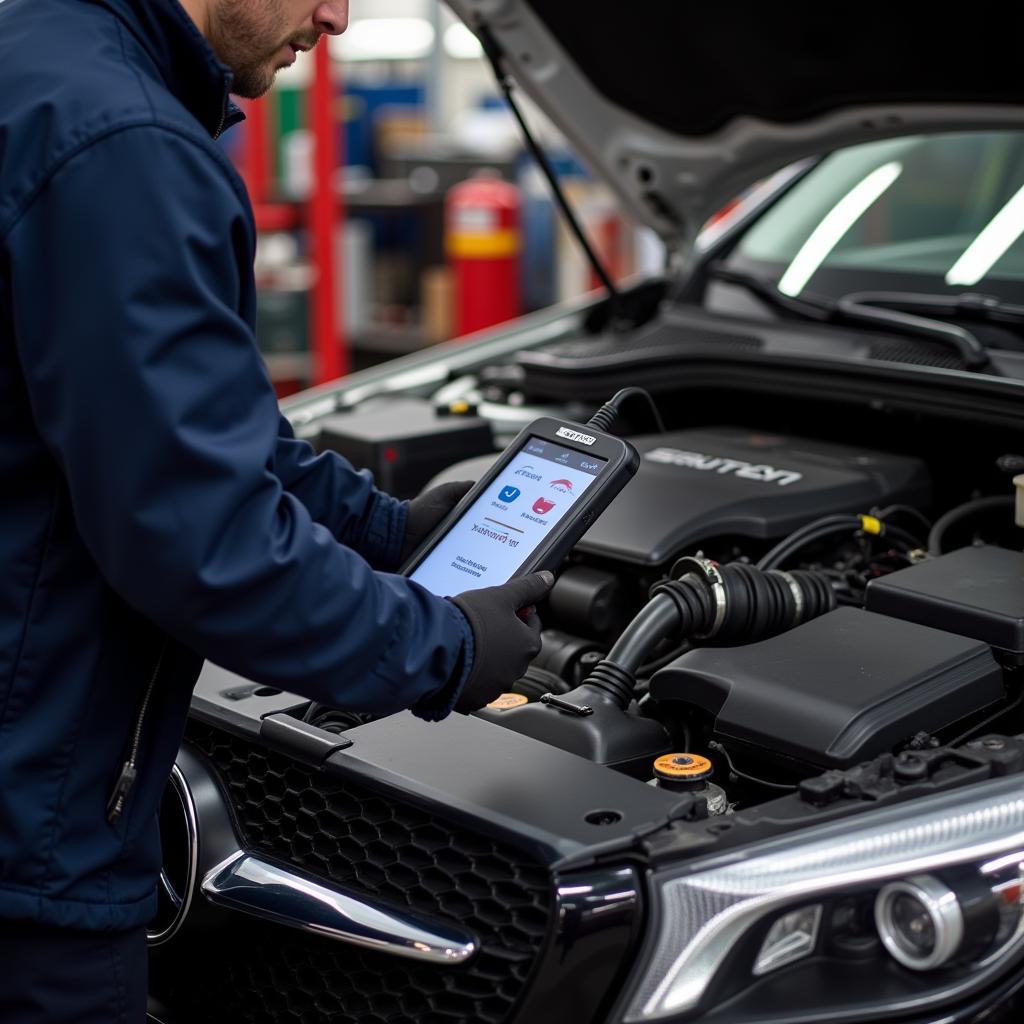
751,605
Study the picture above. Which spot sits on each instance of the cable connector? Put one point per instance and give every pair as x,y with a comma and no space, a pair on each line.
872,525
606,417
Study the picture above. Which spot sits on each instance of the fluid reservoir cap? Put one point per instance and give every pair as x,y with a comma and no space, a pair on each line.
507,701
683,768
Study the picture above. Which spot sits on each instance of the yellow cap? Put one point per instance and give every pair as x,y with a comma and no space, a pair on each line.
507,701
871,524
459,408
682,767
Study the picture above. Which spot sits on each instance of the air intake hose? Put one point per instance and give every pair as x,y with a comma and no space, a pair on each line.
734,603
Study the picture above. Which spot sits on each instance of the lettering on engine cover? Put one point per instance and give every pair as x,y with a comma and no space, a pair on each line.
722,465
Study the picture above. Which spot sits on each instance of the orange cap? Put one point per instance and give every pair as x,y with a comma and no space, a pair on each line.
507,701
683,767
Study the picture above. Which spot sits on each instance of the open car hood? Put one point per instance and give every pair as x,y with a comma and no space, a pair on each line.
680,106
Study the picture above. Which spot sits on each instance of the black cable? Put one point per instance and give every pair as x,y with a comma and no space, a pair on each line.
605,417
956,515
906,510
805,535
903,536
733,770
494,54
826,527
781,555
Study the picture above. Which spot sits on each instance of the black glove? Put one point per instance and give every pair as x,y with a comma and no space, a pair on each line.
426,511
505,642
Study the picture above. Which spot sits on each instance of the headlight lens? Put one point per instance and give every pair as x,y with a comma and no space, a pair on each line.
920,922
933,886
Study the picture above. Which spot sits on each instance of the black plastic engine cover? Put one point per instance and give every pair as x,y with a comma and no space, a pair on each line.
837,690
726,481
403,441
976,592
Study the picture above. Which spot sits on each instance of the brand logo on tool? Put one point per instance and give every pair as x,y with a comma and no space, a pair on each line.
575,435
529,472
721,465
509,494
542,506
565,486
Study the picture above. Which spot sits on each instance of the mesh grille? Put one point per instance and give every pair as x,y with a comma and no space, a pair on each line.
370,844
917,353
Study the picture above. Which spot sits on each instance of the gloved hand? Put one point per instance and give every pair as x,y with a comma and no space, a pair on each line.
427,510
505,641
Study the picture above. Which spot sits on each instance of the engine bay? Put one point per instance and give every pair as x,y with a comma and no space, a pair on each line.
787,588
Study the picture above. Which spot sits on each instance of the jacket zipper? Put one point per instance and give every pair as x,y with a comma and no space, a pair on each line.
223,116
129,771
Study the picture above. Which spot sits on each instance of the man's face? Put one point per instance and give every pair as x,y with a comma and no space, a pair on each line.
256,38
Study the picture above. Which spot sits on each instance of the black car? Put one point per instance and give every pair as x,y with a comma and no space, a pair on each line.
768,766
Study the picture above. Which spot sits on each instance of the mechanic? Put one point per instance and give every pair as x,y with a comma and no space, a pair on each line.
156,509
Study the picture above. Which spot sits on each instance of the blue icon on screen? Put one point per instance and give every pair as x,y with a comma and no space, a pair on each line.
509,494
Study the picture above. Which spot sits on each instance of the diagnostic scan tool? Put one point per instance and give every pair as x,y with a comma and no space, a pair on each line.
528,511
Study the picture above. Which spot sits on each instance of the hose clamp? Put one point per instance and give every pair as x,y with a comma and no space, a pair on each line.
707,571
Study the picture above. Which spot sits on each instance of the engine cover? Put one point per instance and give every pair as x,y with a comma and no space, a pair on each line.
693,485
837,690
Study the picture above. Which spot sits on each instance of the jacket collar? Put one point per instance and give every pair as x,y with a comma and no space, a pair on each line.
183,57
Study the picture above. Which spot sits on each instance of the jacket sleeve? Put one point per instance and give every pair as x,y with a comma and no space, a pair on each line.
128,270
343,500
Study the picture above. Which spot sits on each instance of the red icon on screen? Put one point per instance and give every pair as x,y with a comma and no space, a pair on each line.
565,486
542,506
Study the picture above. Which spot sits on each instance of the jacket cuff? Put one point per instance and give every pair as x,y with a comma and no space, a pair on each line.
439,704
383,532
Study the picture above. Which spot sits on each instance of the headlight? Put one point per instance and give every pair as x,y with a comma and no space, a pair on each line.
920,922
919,900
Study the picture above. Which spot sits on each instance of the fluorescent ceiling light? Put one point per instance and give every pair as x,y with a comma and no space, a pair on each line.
829,233
986,250
460,43
384,39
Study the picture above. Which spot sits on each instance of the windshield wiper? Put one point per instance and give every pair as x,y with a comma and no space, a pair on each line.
866,308
966,306
869,308
807,308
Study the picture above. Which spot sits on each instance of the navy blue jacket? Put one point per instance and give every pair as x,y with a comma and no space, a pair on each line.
155,509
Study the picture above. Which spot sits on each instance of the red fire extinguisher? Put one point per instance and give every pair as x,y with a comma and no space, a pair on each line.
484,239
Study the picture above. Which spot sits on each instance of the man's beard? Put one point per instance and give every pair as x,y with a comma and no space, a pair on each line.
247,35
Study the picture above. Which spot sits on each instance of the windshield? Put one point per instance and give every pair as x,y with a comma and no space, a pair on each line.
936,214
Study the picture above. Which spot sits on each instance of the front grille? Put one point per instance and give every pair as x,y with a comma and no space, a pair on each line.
397,853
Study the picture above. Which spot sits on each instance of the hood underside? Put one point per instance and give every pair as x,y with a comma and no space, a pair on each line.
680,106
